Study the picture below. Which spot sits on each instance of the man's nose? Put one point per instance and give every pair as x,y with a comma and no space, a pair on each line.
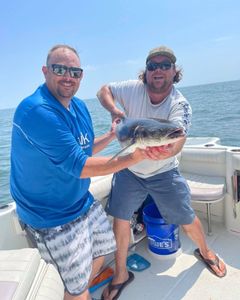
67,74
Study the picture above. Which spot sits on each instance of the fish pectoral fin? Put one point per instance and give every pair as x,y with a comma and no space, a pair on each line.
121,151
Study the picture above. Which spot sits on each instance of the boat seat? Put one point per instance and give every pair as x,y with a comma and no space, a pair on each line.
206,190
25,276
101,186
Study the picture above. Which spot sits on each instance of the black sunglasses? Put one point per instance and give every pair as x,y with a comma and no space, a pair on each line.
165,65
61,70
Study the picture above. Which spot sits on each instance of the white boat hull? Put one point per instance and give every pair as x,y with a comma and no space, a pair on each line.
182,277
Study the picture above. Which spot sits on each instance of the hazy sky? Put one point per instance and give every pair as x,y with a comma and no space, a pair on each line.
113,38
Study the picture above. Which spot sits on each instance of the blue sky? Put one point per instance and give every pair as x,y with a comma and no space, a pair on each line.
113,39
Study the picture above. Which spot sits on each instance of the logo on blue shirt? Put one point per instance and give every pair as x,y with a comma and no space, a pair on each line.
84,140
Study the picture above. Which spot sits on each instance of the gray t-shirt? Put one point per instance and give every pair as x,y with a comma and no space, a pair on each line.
133,98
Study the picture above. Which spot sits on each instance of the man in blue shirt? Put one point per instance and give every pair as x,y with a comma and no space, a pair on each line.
51,163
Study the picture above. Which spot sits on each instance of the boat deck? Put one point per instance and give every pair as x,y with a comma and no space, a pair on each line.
185,277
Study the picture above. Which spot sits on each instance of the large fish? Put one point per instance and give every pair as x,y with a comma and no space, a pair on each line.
142,133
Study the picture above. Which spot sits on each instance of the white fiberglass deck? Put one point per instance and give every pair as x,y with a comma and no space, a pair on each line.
185,277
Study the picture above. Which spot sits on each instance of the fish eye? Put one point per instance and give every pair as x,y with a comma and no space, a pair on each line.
140,131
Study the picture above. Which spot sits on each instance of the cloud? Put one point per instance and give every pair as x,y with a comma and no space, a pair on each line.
131,62
90,68
223,39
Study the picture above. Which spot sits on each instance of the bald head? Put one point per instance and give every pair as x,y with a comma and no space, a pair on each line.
60,48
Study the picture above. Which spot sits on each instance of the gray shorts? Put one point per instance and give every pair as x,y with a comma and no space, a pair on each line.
73,246
169,191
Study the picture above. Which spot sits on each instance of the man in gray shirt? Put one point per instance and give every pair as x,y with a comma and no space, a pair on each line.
153,95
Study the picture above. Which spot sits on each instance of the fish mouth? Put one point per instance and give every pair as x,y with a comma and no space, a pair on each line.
176,133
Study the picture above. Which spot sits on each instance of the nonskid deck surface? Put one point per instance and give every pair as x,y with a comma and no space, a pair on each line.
185,277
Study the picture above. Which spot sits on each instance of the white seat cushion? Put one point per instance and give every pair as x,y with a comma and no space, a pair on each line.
24,275
205,188
101,186
17,272
47,285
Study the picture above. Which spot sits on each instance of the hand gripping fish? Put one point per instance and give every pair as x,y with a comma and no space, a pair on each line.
142,133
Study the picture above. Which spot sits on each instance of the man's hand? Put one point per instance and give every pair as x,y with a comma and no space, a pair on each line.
115,122
159,153
117,114
140,154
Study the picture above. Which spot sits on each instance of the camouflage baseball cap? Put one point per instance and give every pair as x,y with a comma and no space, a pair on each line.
162,50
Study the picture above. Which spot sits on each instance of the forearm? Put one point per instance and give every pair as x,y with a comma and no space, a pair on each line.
101,142
106,98
177,147
98,166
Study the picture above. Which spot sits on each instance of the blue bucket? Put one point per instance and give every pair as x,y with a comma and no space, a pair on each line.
163,238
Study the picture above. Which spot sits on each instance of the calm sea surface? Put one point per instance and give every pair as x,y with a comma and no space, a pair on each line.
216,112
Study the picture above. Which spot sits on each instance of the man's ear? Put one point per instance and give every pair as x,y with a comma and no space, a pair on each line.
81,76
44,70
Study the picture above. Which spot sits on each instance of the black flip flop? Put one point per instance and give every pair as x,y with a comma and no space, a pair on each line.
209,262
119,287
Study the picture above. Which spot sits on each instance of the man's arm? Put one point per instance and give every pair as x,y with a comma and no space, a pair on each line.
101,142
164,152
175,148
106,98
98,166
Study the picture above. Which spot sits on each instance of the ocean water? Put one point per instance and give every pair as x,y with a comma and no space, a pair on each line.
216,112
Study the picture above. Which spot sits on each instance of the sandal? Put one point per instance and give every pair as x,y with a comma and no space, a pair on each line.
119,287
209,263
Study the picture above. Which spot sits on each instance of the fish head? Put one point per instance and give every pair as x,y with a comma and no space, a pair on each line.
148,132
166,131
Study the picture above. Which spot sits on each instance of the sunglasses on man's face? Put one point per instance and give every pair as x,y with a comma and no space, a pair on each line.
61,70
153,66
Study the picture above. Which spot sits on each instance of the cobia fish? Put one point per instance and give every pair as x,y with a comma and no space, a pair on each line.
141,133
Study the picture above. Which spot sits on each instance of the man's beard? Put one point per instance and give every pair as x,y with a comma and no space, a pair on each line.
63,93
159,89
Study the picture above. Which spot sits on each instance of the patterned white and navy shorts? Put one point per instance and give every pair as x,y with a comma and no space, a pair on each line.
73,246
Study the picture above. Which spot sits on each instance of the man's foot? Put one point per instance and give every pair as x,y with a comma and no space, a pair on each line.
113,291
212,262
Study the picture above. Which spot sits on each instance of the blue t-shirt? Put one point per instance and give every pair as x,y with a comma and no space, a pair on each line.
50,145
